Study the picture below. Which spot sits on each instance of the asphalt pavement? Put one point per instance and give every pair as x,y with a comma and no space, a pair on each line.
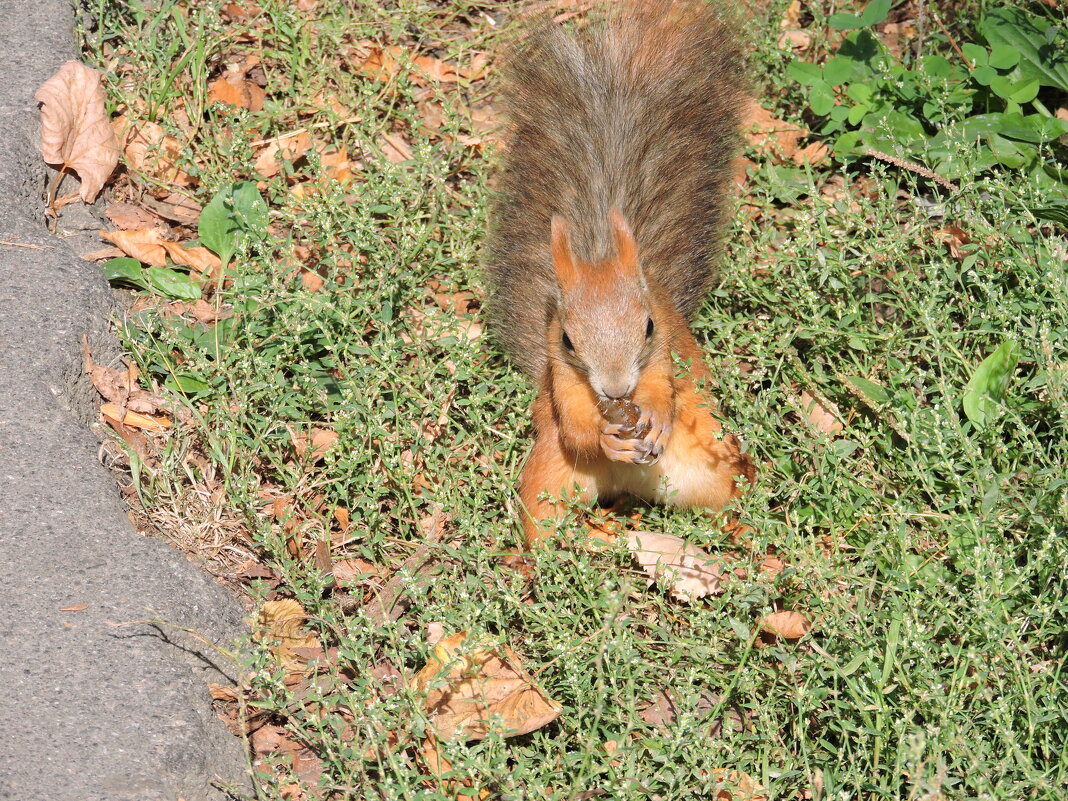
88,710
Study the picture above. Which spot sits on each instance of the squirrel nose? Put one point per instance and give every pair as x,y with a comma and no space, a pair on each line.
616,388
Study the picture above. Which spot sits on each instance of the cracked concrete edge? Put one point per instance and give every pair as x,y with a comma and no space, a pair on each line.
94,710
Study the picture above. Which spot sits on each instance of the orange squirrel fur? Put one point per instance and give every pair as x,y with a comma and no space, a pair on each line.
604,234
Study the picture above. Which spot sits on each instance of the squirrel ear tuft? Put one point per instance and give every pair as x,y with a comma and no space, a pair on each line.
626,246
564,264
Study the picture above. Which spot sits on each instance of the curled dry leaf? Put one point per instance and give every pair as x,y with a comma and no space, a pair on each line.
115,413
954,238
354,570
778,138
435,632
318,443
382,63
788,625
150,150
689,572
734,785
289,148
395,147
468,685
119,386
175,207
148,246
129,217
75,132
281,625
435,69
825,418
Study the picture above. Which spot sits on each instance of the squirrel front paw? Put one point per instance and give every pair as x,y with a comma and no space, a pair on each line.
634,435
656,431
620,445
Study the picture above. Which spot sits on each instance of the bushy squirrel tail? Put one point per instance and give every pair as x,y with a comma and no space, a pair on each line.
638,112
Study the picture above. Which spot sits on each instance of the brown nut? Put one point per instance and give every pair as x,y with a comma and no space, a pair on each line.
623,412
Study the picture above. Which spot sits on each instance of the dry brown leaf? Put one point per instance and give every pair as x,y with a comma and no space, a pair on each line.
477,68
395,148
150,150
689,572
144,245
129,217
75,132
468,684
354,570
113,412
320,441
74,608
102,254
737,786
178,208
311,280
433,114
823,417
788,625
281,625
435,69
383,63
199,258
778,138
222,91
119,386
772,566
233,90
336,164
148,246
797,41
954,238
289,148
435,632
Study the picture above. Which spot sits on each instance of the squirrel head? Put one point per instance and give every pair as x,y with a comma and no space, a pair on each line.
604,325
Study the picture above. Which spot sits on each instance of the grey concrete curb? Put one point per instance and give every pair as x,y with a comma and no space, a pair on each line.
90,711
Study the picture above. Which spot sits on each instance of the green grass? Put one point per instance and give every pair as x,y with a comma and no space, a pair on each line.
929,554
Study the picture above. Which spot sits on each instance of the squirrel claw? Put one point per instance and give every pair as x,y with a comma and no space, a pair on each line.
634,451
657,434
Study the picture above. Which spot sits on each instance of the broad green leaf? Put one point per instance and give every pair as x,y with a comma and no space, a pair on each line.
172,283
187,384
871,390
1057,213
250,209
936,66
124,270
1041,57
859,92
989,382
976,54
839,70
856,113
217,228
235,210
875,13
804,72
1004,57
821,98
847,143
844,22
1023,91
984,75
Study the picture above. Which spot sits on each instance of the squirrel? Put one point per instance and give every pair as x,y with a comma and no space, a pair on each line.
604,232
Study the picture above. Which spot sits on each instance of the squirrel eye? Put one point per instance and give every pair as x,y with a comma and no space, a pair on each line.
567,342
649,329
